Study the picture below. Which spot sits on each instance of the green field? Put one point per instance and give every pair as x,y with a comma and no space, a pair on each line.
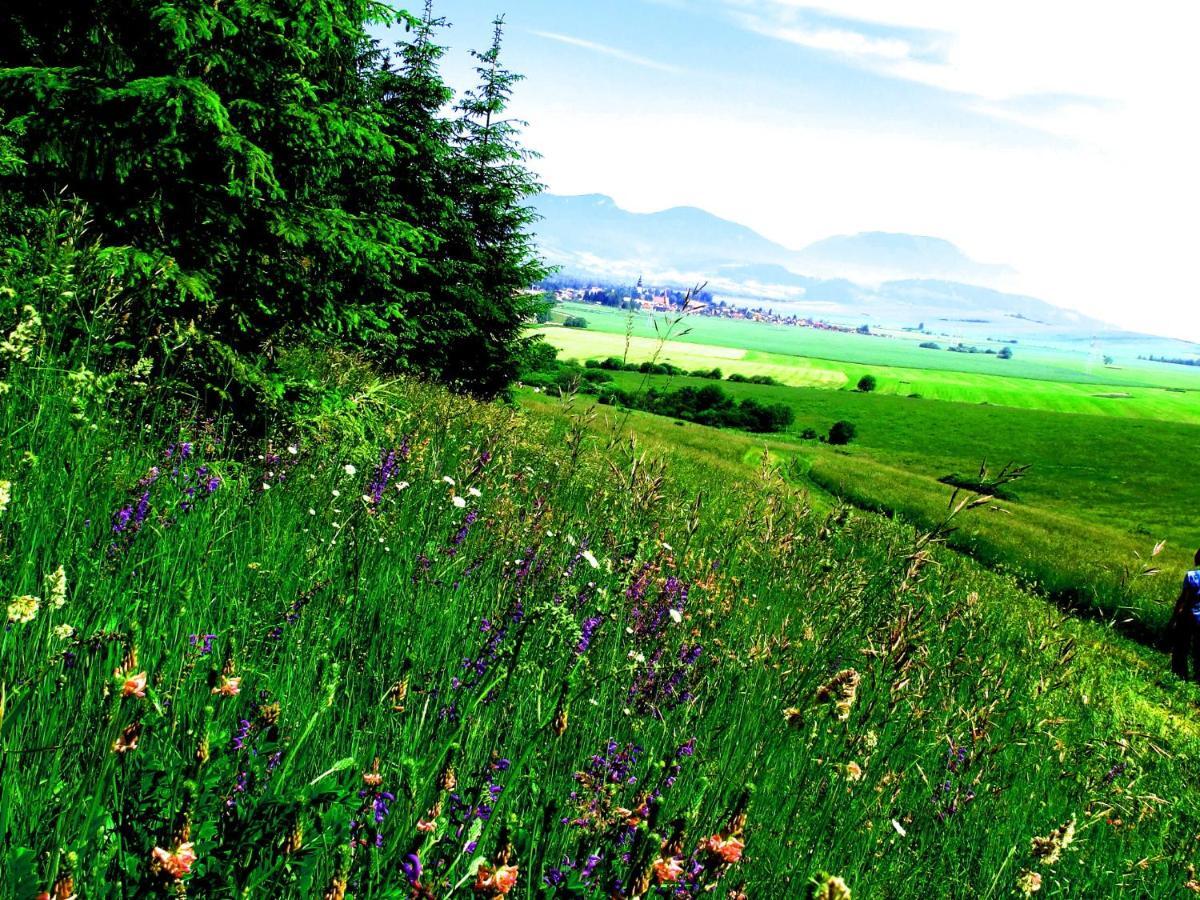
1102,490
1033,379
1059,361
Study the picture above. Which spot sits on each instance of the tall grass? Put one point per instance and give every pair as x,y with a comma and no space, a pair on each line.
419,646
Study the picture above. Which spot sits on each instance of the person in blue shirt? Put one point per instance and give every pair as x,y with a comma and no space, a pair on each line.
1185,626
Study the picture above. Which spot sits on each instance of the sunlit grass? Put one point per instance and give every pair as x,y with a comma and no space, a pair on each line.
428,630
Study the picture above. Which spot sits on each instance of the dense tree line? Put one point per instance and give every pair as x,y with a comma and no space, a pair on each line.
1175,361
708,405
264,172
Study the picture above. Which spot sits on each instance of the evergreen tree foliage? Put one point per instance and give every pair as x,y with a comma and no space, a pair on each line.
277,177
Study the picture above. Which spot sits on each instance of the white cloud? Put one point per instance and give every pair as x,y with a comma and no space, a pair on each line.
834,40
1100,217
614,52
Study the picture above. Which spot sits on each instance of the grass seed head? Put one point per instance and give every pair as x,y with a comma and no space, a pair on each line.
1049,849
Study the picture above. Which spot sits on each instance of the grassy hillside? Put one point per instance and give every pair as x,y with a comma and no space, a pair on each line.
1100,494
420,640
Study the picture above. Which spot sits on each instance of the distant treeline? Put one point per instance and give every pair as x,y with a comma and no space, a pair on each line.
1172,360
708,405
612,364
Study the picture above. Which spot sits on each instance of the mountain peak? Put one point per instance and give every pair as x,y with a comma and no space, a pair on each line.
886,276
884,255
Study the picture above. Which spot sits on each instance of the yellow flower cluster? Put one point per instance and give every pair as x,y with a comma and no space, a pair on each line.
56,588
22,339
23,609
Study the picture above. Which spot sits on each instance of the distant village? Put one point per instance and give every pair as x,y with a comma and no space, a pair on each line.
672,300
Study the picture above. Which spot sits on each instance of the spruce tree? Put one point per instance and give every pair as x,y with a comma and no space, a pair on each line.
495,185
234,142
277,178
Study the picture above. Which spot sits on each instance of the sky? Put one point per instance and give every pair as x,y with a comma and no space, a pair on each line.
1058,138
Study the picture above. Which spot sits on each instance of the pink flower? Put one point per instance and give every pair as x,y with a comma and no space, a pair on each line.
132,685
727,849
426,825
498,882
178,862
229,687
667,870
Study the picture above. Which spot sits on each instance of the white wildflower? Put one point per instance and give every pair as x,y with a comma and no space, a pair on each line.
293,449
63,632
5,495
349,469
474,492
676,616
591,559
448,480
22,339
56,588
402,486
458,501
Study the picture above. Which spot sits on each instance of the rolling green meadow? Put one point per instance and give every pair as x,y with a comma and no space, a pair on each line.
306,595
422,639
1107,483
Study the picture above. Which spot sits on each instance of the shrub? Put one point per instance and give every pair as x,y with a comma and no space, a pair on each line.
842,433
867,383
710,405
575,322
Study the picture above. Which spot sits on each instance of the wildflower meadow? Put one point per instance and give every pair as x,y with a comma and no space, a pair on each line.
303,597
422,646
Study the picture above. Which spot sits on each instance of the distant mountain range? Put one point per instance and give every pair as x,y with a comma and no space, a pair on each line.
897,280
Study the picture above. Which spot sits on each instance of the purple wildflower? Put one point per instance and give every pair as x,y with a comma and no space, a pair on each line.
586,632
410,865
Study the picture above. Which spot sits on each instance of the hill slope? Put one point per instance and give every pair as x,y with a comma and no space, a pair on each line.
434,642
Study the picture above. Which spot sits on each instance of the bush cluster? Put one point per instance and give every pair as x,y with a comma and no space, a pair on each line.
708,405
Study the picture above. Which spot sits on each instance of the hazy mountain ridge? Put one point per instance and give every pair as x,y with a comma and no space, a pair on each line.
590,235
885,256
